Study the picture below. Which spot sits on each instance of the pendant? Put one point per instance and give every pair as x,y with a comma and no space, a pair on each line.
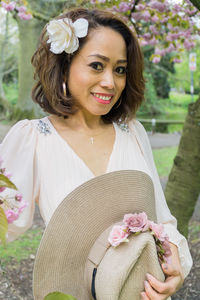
92,140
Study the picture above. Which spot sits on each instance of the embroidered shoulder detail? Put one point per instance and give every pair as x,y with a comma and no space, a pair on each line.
123,126
43,127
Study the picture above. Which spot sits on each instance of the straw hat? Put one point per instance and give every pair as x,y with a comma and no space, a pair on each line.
74,256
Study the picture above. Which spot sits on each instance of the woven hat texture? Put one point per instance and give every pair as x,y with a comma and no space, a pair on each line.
69,246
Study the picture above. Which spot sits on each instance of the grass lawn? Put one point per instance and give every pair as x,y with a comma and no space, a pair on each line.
21,248
164,160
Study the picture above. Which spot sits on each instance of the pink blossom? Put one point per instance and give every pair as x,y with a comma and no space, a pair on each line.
2,189
188,44
21,9
18,197
11,215
8,6
155,19
146,16
170,49
124,6
147,35
136,222
177,60
156,59
161,7
153,29
118,235
140,7
25,16
136,16
158,230
160,52
153,41
164,20
143,42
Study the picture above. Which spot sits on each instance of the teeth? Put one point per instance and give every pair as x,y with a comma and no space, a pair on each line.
102,97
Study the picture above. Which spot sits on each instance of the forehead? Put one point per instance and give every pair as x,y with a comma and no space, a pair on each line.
105,41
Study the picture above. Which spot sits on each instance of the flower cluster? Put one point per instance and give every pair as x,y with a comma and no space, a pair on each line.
12,206
18,7
136,224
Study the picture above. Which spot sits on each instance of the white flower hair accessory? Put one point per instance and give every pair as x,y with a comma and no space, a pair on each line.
64,34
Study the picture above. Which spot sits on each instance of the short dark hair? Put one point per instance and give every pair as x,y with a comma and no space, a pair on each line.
51,69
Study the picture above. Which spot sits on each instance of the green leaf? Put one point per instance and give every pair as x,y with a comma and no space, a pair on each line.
5,182
3,226
59,296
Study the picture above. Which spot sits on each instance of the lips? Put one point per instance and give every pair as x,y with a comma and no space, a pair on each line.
103,101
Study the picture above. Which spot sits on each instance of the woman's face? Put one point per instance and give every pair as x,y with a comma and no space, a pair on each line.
97,74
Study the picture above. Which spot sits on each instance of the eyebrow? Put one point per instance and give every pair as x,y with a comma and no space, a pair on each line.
107,59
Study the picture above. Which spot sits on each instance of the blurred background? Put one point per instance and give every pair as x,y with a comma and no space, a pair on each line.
169,34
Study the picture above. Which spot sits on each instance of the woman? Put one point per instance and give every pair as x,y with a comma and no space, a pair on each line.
88,68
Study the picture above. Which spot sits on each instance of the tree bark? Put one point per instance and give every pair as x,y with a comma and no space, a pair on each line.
29,32
183,186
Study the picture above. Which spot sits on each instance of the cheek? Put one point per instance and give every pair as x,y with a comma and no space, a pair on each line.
78,81
122,84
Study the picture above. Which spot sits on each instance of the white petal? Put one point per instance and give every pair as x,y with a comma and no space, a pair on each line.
81,27
74,44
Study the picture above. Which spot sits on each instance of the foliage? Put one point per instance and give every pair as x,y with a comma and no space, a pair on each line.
58,296
3,226
183,76
11,206
11,92
162,25
150,105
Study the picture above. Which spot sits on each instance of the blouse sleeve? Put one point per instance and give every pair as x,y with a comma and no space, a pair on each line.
18,154
163,213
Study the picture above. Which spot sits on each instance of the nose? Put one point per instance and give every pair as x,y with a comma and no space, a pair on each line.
107,80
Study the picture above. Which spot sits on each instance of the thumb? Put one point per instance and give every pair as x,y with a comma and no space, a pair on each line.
170,270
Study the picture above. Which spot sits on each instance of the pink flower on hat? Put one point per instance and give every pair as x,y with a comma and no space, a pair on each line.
139,223
136,222
118,235
158,230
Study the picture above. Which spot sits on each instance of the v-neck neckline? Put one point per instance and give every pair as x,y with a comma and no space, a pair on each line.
78,157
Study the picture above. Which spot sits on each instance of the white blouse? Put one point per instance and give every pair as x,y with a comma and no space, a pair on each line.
46,169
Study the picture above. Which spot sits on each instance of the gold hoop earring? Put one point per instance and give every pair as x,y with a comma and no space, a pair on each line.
120,101
64,89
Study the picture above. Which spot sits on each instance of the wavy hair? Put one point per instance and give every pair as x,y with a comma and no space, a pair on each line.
52,69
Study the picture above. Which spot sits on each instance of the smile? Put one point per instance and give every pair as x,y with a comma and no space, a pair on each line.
102,99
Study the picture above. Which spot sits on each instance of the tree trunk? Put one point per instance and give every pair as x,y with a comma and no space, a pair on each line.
29,32
183,186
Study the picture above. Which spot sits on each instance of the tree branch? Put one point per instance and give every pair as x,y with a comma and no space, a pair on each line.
9,70
196,3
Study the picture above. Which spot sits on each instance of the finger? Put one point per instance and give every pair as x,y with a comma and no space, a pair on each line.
144,296
151,293
159,286
170,270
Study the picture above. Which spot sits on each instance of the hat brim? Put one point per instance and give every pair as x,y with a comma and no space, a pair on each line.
78,221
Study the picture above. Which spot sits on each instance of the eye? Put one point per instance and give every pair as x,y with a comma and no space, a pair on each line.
96,66
121,70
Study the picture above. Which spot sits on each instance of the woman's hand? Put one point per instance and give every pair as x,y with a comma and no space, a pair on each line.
157,290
